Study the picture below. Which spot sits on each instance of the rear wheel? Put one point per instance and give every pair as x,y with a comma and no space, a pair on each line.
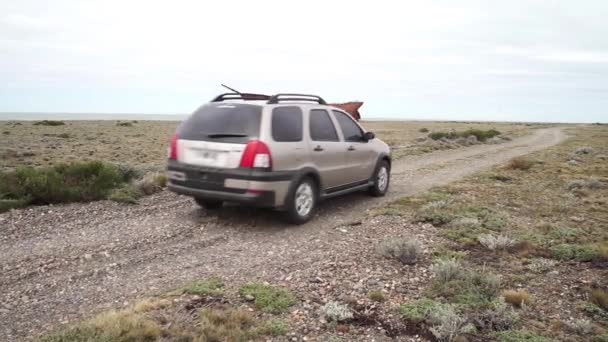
302,203
381,179
208,203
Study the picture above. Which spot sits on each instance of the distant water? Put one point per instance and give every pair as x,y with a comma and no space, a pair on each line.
90,116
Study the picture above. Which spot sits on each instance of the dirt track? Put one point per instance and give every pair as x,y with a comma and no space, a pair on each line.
63,263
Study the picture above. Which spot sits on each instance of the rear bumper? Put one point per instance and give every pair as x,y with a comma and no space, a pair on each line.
251,187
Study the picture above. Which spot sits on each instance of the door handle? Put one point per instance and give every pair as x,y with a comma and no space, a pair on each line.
351,148
318,148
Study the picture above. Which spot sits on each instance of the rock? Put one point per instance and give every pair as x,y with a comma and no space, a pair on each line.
249,298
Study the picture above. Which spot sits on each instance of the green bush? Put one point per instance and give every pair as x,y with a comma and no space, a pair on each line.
126,194
62,183
575,252
49,123
268,298
419,310
210,287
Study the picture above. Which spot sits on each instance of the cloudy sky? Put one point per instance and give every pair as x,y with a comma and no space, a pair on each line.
469,60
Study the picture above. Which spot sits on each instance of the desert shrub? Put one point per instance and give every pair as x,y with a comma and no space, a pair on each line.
447,269
435,213
149,184
520,336
268,298
495,242
8,204
541,265
274,328
497,317
376,296
124,124
63,135
576,252
500,177
480,135
128,193
423,130
49,123
595,312
520,163
336,312
517,298
592,184
600,338
599,297
580,326
6,132
468,287
128,172
419,310
405,250
77,182
584,150
447,323
209,287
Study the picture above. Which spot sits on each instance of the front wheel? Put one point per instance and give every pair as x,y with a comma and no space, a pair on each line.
381,179
208,204
302,203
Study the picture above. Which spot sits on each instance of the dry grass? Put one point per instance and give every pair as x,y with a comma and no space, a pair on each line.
599,297
517,298
520,163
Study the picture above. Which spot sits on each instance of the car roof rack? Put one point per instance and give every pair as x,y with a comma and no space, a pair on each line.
241,96
274,99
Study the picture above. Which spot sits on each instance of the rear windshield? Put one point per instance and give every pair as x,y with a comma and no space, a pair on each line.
223,122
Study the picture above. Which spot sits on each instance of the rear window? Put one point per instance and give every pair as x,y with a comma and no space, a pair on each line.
287,124
224,122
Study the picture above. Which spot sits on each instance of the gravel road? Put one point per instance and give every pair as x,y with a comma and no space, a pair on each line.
64,263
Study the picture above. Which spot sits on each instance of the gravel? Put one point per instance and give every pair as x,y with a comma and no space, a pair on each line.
61,264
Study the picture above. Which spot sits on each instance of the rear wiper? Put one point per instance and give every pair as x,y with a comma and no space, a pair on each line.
226,135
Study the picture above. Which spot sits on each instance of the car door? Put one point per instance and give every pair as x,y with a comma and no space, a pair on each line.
326,149
359,155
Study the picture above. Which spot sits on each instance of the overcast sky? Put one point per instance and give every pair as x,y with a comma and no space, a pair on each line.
467,60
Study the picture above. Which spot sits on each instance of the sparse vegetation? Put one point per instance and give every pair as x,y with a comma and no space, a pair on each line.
336,312
124,124
49,123
419,310
376,296
127,193
541,265
582,327
209,287
268,298
405,250
520,336
495,242
423,130
447,323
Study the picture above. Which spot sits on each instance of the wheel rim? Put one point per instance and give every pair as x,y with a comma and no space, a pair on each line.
382,178
304,199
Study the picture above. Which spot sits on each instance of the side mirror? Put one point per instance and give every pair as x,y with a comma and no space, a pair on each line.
368,136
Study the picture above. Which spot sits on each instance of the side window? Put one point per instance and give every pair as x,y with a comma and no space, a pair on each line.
321,126
287,124
350,129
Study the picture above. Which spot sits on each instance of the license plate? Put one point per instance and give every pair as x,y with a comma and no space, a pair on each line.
207,155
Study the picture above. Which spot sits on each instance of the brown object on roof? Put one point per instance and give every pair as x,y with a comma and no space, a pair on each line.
351,108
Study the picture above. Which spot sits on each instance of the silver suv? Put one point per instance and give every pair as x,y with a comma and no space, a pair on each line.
285,151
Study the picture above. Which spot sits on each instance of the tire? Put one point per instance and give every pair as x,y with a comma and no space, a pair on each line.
381,179
208,203
302,201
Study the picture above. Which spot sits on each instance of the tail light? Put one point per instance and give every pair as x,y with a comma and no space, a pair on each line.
256,155
173,147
